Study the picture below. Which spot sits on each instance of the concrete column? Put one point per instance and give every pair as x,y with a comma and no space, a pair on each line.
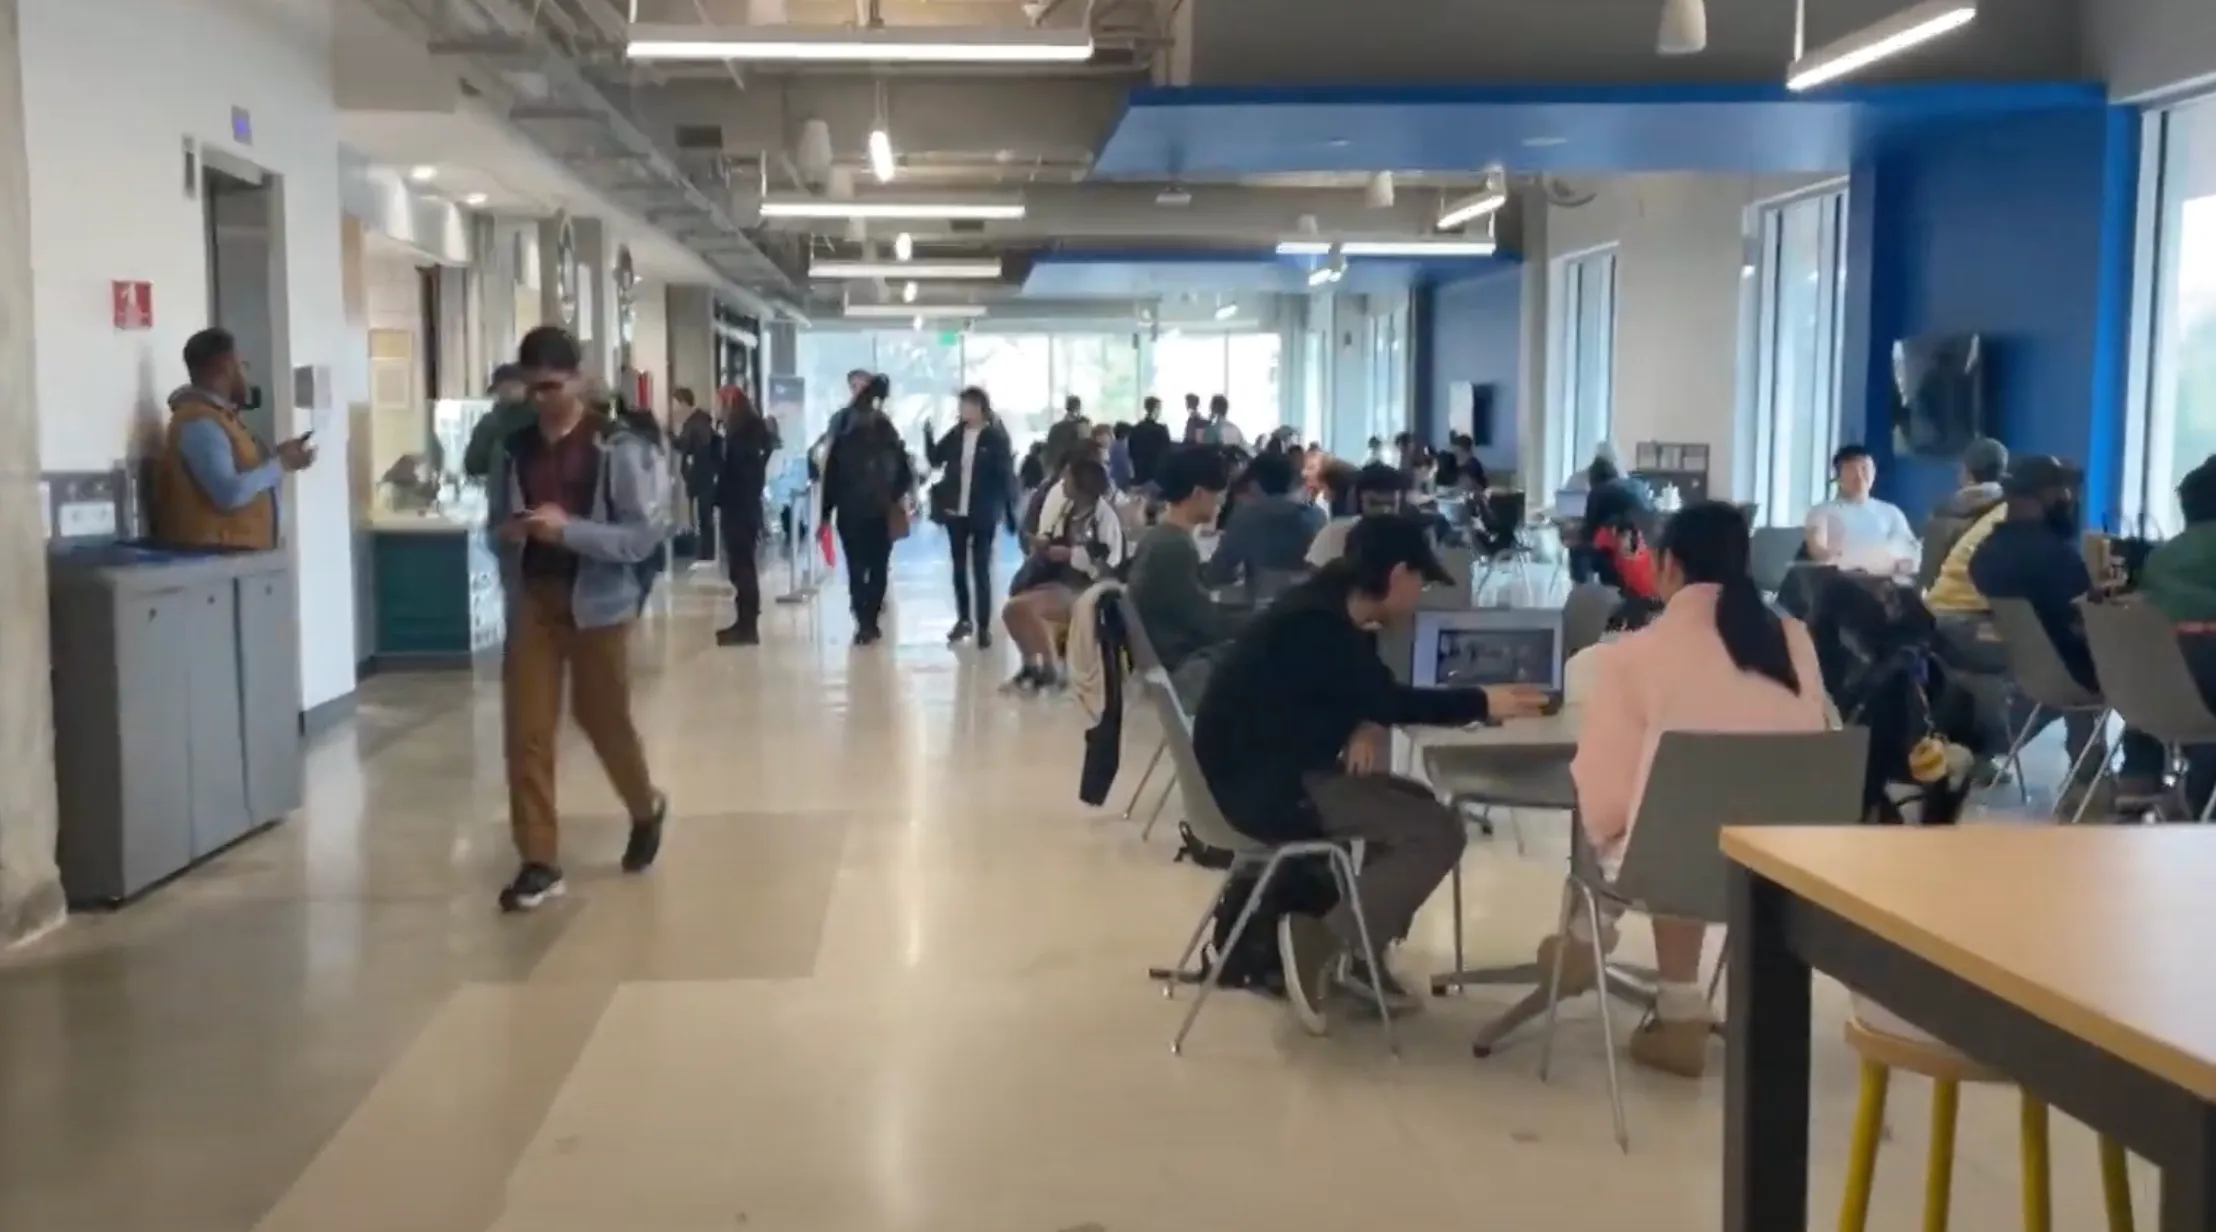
493,279
782,340
596,297
1537,462
557,270
692,340
30,884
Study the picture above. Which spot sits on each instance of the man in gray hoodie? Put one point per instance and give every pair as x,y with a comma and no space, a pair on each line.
1983,464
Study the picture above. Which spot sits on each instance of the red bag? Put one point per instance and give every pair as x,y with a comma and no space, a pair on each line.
1634,562
823,540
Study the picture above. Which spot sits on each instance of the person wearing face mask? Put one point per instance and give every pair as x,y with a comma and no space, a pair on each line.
216,483
976,491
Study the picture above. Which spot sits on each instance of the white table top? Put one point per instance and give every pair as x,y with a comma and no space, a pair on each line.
1554,729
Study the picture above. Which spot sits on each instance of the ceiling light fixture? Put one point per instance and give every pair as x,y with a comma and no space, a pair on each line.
881,155
1304,248
1227,312
1442,247
916,324
475,199
1471,208
918,311
908,293
904,246
1911,27
423,174
1684,30
981,267
968,208
1378,193
1325,275
885,44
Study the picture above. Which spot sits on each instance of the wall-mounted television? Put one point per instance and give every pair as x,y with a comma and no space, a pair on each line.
1939,394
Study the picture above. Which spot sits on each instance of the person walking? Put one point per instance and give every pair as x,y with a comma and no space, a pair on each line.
866,481
699,453
975,491
1148,444
582,506
749,439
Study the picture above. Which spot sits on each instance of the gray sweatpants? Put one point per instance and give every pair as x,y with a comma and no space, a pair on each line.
1413,843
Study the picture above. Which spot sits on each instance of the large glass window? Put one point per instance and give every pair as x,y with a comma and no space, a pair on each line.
925,369
1800,276
1582,338
1018,371
1251,381
1101,369
2177,428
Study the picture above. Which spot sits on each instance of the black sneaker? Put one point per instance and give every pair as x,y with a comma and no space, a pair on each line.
1358,979
646,838
1308,951
534,884
738,635
1026,680
960,632
984,637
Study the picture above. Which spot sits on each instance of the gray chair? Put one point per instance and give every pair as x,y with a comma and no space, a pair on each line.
1263,586
1771,553
1585,615
1673,866
2039,673
1143,662
2147,681
1209,826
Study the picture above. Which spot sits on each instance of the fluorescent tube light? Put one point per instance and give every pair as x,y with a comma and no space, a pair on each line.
423,174
1304,248
1911,27
1324,275
881,155
475,199
1471,208
968,208
904,246
918,311
1417,248
890,44
981,267
1227,312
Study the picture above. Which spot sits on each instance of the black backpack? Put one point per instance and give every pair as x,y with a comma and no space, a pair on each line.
1304,886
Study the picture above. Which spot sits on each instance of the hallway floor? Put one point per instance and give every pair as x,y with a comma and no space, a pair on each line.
889,976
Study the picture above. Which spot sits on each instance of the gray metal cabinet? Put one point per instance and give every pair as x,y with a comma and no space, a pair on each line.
269,692
219,816
144,766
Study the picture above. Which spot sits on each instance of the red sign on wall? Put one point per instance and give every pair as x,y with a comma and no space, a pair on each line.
134,305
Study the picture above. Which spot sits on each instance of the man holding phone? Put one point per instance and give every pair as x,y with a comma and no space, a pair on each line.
216,483
583,502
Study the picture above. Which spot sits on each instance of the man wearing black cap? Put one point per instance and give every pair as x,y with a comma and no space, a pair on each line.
1290,737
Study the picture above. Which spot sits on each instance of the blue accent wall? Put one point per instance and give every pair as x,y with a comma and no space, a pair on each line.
2018,228
1475,333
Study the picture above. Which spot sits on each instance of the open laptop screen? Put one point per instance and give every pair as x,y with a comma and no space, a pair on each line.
1476,647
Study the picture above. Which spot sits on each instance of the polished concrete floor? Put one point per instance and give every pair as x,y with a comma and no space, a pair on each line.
888,976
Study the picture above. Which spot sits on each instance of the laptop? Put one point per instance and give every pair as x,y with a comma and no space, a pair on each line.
1484,646
1569,506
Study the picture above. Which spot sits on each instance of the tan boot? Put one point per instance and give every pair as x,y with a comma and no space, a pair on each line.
1676,1046
1579,975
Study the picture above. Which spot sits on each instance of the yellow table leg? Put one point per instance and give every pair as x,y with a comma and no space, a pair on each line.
2038,1195
1946,1097
2115,1185
1869,1128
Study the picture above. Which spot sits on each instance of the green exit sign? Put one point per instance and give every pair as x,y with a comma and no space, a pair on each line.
950,337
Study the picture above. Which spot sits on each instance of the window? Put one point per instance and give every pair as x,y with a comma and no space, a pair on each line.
1017,371
826,356
1388,374
2177,429
1250,378
1103,370
1582,338
1800,277
925,370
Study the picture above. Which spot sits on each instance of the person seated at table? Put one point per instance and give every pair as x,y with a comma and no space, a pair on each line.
1291,738
1615,505
1966,639
1080,541
1984,462
2179,577
1186,626
1716,659
2032,555
1375,489
1269,530
1855,530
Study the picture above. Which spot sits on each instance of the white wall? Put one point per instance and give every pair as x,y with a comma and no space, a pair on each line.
108,202
1680,246
650,343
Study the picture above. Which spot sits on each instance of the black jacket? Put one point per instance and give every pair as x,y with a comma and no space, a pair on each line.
743,469
992,494
1287,698
1148,444
866,471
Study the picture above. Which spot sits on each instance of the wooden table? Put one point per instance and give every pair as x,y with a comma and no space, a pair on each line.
2074,959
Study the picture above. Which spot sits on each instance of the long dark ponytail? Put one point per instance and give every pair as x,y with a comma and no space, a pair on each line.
1709,541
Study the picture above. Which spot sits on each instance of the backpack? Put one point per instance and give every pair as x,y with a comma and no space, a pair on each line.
658,497
1303,886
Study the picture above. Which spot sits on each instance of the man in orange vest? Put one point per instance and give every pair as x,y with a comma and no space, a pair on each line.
216,483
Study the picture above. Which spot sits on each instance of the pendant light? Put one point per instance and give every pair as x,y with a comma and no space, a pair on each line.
1684,30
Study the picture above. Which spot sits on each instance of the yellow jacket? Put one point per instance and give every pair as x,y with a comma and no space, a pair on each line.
1953,592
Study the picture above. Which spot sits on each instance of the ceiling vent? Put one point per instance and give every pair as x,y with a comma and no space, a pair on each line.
700,137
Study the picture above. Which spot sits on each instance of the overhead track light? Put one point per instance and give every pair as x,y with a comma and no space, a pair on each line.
904,246
885,44
914,271
881,155
1684,29
1471,208
984,209
918,311
1911,27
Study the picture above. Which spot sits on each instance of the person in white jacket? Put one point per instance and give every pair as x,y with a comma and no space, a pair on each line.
1080,542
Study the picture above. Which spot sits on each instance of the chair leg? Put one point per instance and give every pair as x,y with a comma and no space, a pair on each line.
2100,740
2115,1185
2208,808
2038,1194
1607,1022
1946,1101
1455,880
1161,802
1716,980
1138,793
1230,943
1515,831
1554,980
1200,929
2014,758
1869,1131
1342,863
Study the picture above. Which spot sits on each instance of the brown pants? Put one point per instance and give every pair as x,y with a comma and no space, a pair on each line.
545,646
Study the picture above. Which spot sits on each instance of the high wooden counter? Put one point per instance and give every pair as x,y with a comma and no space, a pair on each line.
2076,959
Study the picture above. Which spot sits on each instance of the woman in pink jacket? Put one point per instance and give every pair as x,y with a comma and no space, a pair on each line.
1717,659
